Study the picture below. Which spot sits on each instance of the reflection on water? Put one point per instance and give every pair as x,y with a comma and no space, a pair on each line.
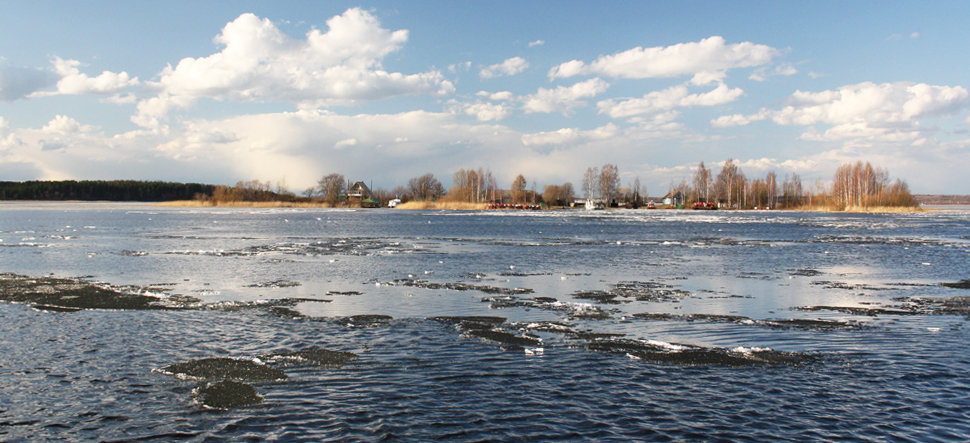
599,314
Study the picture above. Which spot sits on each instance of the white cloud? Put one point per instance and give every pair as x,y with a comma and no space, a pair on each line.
509,67
496,96
885,112
709,55
673,97
535,43
65,125
488,111
897,36
260,63
346,143
708,77
463,66
74,82
872,104
122,99
728,121
762,74
564,98
18,82
569,135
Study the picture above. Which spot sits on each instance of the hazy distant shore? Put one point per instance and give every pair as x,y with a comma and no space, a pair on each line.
447,205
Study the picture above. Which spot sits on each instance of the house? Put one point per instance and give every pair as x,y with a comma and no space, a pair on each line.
674,198
358,191
360,194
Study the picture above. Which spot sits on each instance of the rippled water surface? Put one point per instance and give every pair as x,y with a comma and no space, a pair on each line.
882,352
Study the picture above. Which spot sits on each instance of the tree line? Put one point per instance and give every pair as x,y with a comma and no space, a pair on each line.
855,186
94,190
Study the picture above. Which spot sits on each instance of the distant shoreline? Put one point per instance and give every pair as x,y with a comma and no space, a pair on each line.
457,206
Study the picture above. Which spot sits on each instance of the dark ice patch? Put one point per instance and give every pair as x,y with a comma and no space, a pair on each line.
220,368
68,294
275,284
962,284
344,293
365,320
959,305
604,297
573,310
314,356
490,329
804,272
470,318
227,394
690,355
455,286
53,308
712,318
820,325
854,310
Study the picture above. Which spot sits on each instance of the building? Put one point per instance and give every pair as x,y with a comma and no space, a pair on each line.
358,192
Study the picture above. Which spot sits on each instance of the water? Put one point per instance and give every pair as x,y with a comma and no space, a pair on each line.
92,375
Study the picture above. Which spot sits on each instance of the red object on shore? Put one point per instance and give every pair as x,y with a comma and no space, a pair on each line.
705,205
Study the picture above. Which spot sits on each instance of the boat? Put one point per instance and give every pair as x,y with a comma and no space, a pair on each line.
592,205
710,206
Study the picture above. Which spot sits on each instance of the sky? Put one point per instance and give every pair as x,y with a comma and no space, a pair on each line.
383,91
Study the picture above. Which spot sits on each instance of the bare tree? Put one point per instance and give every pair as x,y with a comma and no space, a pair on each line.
401,192
331,187
517,191
702,183
609,182
591,183
637,197
425,187
566,193
771,183
792,190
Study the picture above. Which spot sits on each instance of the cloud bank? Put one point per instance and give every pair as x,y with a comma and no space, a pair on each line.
259,63
710,55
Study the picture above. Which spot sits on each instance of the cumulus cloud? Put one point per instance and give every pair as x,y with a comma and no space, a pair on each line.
710,55
258,62
74,82
569,135
673,97
496,96
762,74
885,111
535,43
727,121
563,98
304,145
65,125
509,67
484,111
19,82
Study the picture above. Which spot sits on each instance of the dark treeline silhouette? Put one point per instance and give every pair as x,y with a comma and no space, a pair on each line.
92,190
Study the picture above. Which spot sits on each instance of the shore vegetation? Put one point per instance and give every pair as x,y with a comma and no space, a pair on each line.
855,187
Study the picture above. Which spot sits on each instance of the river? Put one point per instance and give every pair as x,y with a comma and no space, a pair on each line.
599,325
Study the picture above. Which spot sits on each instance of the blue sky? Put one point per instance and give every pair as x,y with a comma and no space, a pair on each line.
384,91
